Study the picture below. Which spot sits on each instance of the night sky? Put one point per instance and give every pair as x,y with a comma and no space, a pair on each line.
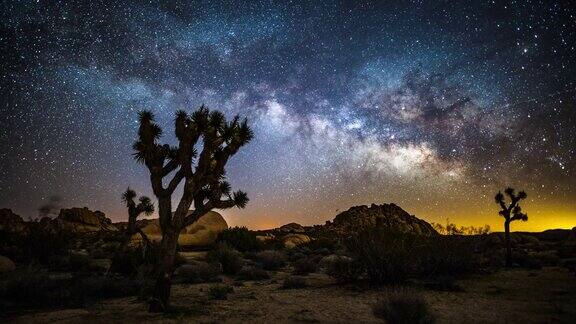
432,105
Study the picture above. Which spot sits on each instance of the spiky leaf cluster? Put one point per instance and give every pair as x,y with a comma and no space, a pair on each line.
203,174
144,204
512,211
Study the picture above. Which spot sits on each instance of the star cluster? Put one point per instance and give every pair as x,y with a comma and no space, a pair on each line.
432,105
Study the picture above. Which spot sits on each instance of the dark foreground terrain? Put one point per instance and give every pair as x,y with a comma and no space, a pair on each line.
508,296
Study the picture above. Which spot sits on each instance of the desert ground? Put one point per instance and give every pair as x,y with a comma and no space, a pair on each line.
507,296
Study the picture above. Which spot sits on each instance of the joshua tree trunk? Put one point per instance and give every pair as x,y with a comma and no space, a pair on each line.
161,294
510,212
508,247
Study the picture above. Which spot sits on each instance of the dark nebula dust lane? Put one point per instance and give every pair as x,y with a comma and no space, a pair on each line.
434,106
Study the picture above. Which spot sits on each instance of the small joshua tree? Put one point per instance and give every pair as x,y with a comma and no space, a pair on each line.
510,212
144,206
202,177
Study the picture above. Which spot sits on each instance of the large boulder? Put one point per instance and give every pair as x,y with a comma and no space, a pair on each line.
83,220
203,232
292,228
386,215
10,222
292,240
6,265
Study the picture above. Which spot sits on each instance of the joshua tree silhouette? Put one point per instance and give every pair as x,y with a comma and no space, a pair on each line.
203,178
510,212
144,206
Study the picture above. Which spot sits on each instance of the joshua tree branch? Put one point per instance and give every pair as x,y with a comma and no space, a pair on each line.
169,167
178,177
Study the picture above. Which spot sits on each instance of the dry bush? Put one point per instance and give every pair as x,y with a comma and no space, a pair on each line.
403,306
229,258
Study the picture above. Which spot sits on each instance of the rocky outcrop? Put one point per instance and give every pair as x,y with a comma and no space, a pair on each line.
386,215
83,220
10,222
292,228
201,233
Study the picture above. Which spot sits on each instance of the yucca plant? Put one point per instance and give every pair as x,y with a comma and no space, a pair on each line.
135,208
144,206
202,177
510,212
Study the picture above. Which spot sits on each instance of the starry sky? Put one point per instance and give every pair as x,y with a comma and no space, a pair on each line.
432,105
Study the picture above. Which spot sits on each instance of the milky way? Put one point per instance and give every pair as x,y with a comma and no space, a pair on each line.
431,105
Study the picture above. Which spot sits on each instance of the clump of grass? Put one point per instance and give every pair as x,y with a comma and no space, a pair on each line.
403,306
220,292
294,282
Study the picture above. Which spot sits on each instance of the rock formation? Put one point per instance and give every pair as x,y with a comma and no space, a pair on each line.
10,222
83,220
203,232
387,215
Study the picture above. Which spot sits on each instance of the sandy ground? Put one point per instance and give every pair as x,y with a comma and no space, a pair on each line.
512,296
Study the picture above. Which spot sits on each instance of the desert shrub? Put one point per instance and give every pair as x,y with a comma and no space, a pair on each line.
344,270
31,287
305,266
34,288
253,273
386,255
199,272
87,290
294,282
323,245
220,292
445,255
527,261
240,238
36,246
229,258
297,254
403,307
271,259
